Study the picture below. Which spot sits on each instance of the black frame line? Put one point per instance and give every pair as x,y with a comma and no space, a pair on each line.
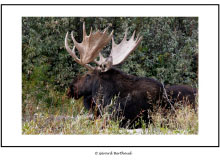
111,5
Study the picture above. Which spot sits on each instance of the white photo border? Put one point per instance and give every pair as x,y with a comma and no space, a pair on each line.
208,74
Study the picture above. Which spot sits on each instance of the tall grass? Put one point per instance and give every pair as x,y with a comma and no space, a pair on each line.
183,121
53,113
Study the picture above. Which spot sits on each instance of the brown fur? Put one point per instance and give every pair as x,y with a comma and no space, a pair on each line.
136,95
181,94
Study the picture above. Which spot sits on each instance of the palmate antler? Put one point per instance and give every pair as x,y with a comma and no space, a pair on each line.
91,46
121,51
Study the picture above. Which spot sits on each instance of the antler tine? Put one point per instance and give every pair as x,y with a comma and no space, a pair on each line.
105,30
90,32
73,54
121,51
138,40
132,37
84,30
125,37
111,34
74,41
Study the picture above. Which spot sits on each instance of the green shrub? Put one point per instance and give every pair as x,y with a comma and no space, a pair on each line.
168,51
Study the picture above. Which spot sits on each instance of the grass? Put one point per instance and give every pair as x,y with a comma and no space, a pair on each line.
183,121
51,112
68,118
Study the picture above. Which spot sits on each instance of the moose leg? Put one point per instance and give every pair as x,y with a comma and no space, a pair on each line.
88,102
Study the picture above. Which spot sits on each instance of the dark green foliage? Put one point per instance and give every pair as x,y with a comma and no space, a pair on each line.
168,51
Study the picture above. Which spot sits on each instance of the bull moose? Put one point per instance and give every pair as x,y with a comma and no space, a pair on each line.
135,95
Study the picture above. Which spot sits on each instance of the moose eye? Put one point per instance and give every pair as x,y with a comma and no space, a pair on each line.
103,66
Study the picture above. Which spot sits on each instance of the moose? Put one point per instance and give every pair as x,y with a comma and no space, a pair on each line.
180,94
135,95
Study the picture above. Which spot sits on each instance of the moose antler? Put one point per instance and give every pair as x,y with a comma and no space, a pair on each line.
90,47
121,51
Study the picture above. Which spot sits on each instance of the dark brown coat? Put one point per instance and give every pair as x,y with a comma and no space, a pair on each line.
136,95
181,94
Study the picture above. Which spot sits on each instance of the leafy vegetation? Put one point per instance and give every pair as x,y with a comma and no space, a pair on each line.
168,53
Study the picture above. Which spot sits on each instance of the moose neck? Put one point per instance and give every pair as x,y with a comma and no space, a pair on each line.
122,81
